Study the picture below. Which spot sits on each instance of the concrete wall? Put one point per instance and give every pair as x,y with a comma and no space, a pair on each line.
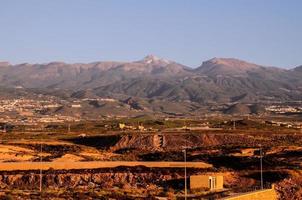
269,194
199,181
219,182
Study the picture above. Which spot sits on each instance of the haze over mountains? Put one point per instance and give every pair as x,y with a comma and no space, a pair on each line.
216,80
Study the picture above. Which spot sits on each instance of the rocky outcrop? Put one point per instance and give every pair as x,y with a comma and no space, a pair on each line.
176,142
85,179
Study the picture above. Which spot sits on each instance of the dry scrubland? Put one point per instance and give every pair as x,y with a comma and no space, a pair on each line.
109,163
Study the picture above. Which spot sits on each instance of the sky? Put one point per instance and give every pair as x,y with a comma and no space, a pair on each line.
266,32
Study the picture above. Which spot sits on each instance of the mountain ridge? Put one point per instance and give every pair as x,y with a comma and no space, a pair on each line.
150,59
216,80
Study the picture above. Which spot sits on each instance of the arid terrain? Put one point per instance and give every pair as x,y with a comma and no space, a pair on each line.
150,100
100,160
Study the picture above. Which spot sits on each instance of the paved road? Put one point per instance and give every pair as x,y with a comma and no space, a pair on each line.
12,166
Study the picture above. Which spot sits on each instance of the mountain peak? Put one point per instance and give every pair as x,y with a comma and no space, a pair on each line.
226,66
152,59
231,62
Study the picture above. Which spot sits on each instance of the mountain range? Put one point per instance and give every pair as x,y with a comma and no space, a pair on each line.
216,80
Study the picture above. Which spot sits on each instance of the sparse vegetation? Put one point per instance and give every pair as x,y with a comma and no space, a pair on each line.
232,152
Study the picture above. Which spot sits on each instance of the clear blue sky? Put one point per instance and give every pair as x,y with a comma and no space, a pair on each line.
267,32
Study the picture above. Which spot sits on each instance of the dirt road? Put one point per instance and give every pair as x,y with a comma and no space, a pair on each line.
13,166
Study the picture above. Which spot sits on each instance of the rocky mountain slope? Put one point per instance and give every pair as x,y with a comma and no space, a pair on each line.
216,80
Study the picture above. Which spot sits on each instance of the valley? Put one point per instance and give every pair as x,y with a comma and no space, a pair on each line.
141,129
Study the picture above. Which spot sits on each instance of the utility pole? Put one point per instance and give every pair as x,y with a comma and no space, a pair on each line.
41,162
261,173
185,159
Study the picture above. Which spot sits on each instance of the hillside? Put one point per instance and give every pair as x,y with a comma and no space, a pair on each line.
216,80
243,109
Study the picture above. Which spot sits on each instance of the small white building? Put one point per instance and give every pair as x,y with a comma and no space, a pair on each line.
76,106
211,182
